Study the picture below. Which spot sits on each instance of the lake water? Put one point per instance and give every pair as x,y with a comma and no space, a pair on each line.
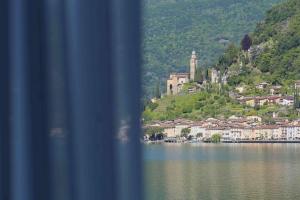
222,171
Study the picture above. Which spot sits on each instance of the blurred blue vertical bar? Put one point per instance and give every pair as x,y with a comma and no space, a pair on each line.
91,96
57,101
29,172
4,102
125,42
21,182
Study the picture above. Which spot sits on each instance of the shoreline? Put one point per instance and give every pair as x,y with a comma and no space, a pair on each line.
264,141
232,142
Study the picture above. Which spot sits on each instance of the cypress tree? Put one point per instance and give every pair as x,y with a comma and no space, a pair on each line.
296,98
246,42
157,90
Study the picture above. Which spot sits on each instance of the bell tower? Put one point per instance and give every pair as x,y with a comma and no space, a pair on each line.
193,66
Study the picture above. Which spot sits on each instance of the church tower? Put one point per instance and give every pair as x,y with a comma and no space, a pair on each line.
193,66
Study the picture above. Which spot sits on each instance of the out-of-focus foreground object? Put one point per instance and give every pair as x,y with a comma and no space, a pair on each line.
70,100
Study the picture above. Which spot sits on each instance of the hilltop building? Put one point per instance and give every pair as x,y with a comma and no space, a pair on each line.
177,80
193,66
214,76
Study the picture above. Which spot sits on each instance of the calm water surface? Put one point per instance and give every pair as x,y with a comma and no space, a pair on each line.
222,171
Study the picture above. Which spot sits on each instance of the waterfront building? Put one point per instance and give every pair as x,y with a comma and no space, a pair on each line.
170,131
252,133
197,130
236,133
178,129
210,131
226,134
268,132
234,129
291,132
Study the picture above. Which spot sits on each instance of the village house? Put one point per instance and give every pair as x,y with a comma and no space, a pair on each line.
267,100
237,121
274,99
260,101
262,85
255,119
240,89
287,101
275,90
249,101
297,84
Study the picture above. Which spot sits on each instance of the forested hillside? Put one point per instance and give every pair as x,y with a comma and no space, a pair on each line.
173,28
275,53
271,54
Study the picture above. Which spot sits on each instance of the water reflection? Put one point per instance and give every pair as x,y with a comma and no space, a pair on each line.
229,171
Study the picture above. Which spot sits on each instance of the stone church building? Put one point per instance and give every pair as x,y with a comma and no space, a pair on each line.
177,80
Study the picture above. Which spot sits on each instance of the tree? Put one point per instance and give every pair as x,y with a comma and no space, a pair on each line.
246,43
152,106
185,132
296,99
199,76
199,135
153,130
157,90
229,57
190,137
154,133
206,75
216,138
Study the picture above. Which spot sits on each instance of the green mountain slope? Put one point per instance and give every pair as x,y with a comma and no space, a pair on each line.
275,54
282,29
273,57
173,28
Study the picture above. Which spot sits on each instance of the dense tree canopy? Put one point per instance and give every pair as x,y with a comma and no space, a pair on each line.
172,29
274,57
